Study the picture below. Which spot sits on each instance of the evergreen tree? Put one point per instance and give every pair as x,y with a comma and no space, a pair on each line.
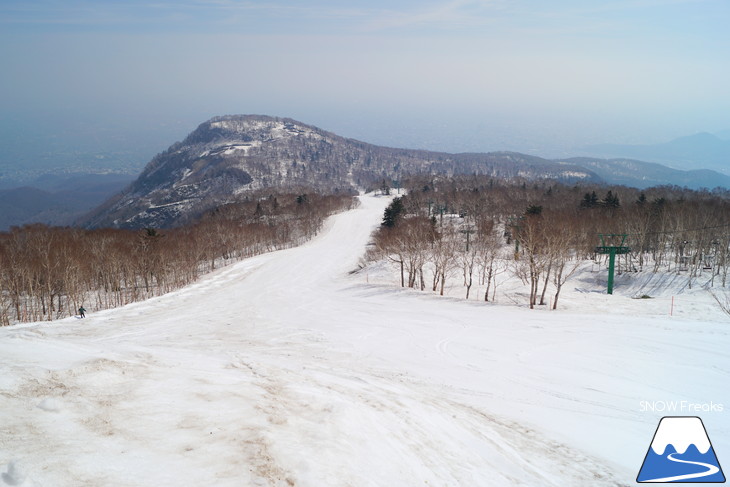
611,200
590,200
392,213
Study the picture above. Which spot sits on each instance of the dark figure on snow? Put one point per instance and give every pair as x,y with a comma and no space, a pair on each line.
82,312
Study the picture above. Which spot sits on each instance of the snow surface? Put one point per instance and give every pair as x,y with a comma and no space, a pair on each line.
286,370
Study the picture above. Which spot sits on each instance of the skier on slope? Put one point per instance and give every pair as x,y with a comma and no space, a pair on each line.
82,312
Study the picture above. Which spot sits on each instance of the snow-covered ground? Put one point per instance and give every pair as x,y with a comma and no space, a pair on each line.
644,293
286,370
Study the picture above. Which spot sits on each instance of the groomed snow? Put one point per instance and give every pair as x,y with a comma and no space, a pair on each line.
285,370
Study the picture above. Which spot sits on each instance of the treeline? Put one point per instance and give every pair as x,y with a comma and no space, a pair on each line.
475,228
49,272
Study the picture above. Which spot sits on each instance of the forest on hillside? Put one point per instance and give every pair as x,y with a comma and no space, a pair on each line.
50,272
473,228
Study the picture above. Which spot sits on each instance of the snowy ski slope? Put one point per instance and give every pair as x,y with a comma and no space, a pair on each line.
285,370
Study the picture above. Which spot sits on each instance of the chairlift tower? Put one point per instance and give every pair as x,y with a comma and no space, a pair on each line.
515,223
612,251
468,231
441,209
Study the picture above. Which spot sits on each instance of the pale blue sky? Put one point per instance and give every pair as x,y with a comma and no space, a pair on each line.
460,75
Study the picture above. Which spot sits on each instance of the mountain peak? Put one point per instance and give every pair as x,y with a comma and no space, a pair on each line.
232,154
698,138
246,128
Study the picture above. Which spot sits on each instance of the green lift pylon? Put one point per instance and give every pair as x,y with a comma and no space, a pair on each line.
612,251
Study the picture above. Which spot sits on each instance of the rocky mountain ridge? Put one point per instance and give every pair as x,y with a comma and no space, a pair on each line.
228,156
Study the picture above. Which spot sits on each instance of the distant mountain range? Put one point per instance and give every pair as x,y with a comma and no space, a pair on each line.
226,157
639,174
58,199
699,151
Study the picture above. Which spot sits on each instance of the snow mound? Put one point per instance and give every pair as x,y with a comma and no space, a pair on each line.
15,475
50,404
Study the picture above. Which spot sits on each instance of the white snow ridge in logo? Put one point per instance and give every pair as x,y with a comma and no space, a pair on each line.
680,452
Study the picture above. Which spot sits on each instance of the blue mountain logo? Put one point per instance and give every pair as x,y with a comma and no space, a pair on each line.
681,452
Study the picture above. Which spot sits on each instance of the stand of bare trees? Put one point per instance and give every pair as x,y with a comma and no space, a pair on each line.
49,272
542,232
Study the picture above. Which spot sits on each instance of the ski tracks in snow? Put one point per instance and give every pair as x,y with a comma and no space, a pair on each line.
398,430
271,372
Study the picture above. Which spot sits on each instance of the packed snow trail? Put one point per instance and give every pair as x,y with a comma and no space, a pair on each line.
286,370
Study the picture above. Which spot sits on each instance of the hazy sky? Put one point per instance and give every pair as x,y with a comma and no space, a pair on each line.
462,75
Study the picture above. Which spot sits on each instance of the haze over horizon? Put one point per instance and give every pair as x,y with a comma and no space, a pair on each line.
82,77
